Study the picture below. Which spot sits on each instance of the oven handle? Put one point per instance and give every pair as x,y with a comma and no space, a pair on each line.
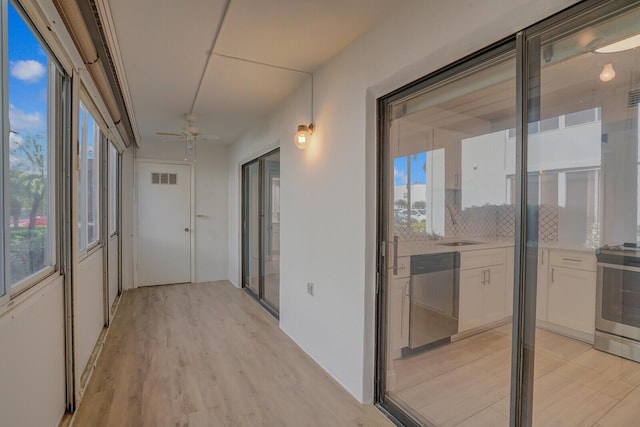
619,267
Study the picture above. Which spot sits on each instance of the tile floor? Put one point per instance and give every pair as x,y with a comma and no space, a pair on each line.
466,383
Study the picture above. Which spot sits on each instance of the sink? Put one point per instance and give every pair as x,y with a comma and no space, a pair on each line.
460,243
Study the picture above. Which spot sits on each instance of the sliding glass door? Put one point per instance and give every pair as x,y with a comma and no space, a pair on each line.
261,230
510,210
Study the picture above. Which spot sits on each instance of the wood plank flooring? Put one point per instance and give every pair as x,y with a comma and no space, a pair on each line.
466,383
207,355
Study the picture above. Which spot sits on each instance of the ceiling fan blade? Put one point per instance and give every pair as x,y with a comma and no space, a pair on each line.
168,134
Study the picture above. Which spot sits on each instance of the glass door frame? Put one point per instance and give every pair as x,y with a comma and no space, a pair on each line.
526,45
259,297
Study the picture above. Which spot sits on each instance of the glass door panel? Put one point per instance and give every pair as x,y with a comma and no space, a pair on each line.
271,229
261,232
251,221
451,223
583,193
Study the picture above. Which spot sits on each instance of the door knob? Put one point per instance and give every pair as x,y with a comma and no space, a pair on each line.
186,229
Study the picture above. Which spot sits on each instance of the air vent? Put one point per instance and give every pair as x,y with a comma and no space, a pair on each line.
164,178
634,98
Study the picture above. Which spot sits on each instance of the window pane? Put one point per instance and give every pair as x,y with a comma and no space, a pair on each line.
29,150
89,180
113,182
93,183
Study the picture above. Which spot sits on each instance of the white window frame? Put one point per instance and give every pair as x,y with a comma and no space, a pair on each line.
8,290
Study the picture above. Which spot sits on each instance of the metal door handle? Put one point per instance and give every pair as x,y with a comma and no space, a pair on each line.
186,229
395,256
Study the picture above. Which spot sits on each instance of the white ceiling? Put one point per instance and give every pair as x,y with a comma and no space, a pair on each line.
163,47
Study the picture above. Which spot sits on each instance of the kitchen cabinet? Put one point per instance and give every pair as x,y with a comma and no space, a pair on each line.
398,308
481,288
566,297
541,296
399,316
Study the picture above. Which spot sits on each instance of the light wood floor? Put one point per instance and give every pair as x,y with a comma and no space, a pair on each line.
208,355
466,383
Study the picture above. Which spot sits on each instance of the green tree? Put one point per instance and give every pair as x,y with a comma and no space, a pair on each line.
27,179
419,204
401,203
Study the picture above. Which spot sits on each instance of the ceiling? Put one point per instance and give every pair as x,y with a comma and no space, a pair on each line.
163,45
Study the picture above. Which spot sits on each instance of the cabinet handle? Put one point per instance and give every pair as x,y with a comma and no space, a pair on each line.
542,263
571,259
489,276
552,271
484,277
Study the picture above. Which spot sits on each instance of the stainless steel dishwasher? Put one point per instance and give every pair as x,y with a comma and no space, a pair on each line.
433,309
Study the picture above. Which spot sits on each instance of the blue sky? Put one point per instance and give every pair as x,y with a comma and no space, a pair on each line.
27,79
418,175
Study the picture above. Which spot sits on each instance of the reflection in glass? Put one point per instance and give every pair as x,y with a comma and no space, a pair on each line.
449,303
251,227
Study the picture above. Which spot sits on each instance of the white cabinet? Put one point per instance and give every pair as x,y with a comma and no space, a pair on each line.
572,299
482,288
566,298
543,272
398,308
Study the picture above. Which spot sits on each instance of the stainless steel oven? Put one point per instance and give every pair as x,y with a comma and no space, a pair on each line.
618,301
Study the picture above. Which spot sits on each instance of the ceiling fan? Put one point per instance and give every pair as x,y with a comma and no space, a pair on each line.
190,134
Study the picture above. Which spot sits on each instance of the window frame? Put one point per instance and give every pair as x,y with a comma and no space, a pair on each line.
56,120
83,185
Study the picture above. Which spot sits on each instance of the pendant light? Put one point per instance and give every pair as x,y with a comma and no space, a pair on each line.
607,73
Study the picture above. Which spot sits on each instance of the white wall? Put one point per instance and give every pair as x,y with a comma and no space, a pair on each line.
89,309
328,194
32,371
211,172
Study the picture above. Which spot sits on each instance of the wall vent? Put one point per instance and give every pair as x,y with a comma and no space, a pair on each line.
164,178
634,98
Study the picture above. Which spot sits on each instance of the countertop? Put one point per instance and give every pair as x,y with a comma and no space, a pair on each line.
435,246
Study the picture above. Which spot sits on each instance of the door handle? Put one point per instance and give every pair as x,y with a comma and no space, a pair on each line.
186,229
394,267
484,277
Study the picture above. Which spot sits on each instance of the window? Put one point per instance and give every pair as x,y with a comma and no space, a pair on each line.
29,185
89,180
113,189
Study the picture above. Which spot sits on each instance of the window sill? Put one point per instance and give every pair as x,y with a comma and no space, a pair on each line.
10,302
89,251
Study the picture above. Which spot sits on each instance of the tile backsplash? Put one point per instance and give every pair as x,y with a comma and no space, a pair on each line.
488,221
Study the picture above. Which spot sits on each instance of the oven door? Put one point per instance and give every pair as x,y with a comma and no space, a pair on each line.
618,300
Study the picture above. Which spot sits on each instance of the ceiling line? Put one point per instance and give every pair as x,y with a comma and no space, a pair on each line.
295,70
225,9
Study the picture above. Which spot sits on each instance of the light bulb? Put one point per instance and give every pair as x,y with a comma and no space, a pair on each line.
608,73
303,136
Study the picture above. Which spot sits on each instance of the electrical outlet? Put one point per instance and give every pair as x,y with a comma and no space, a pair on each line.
310,286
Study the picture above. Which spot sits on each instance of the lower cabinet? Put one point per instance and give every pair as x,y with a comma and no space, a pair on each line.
482,295
399,316
571,299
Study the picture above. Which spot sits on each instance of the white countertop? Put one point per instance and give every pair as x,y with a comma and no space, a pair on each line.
435,246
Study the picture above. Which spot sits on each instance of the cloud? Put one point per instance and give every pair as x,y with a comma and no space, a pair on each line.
400,175
25,122
29,71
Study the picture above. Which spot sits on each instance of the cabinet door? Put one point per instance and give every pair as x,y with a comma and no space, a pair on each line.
509,282
541,296
572,299
494,293
470,306
398,320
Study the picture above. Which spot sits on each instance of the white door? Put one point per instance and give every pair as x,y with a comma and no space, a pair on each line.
164,223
